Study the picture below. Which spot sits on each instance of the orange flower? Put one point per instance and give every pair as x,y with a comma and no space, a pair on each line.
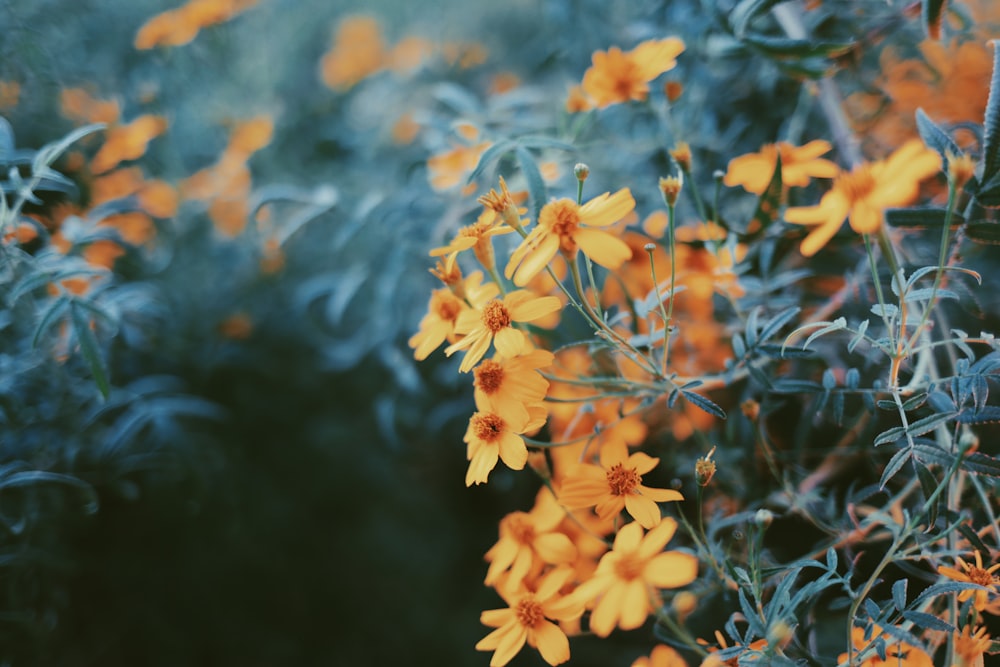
358,51
512,384
565,226
493,323
626,577
662,656
897,653
526,621
974,574
798,165
618,76
527,538
615,485
491,436
577,101
970,645
478,236
864,193
77,104
713,660
180,26
127,142
448,169
438,325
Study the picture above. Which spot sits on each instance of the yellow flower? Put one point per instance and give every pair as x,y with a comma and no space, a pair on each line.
526,621
478,236
491,435
662,656
626,576
565,226
492,323
615,485
529,538
512,384
974,574
970,645
438,325
864,193
897,653
616,76
798,164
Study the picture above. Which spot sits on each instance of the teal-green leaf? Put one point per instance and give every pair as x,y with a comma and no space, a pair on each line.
991,122
89,348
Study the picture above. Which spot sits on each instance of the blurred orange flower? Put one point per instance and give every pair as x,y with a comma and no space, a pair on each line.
897,653
662,656
10,93
618,76
862,194
975,574
179,26
127,142
528,538
798,165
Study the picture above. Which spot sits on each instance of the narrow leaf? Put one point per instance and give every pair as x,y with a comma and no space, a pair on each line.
536,184
928,621
991,121
705,404
934,136
89,348
894,466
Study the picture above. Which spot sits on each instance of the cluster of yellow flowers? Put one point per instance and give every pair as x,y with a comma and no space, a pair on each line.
593,545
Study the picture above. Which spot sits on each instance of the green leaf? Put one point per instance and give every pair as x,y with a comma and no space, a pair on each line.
986,233
928,424
895,464
536,184
988,414
991,122
49,318
787,47
899,594
47,154
981,464
920,218
927,484
932,11
537,141
746,11
928,621
89,348
936,138
705,404
773,325
489,155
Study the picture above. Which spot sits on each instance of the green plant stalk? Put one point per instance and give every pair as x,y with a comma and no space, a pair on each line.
672,240
663,312
942,259
888,558
878,287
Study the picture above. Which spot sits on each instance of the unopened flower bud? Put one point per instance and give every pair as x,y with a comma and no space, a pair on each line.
751,409
704,469
673,90
681,153
683,604
581,171
670,188
763,518
960,168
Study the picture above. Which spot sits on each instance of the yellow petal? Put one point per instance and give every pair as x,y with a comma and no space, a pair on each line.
671,569
635,605
654,57
657,538
629,538
534,261
643,510
865,219
605,249
513,451
606,209
554,548
642,462
534,308
508,341
482,463
509,646
551,642
494,618
608,609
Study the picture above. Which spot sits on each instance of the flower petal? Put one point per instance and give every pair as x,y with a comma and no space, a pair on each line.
643,510
603,248
608,609
554,548
635,605
605,209
551,642
671,569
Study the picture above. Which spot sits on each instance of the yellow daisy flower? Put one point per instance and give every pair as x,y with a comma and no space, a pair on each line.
565,226
615,485
862,194
493,323
974,574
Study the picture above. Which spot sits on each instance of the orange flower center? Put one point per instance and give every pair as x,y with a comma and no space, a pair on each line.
857,184
528,612
521,530
563,218
622,480
629,567
496,317
489,376
978,575
447,307
476,230
487,426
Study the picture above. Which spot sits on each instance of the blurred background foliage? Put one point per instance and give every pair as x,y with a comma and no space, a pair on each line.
271,480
